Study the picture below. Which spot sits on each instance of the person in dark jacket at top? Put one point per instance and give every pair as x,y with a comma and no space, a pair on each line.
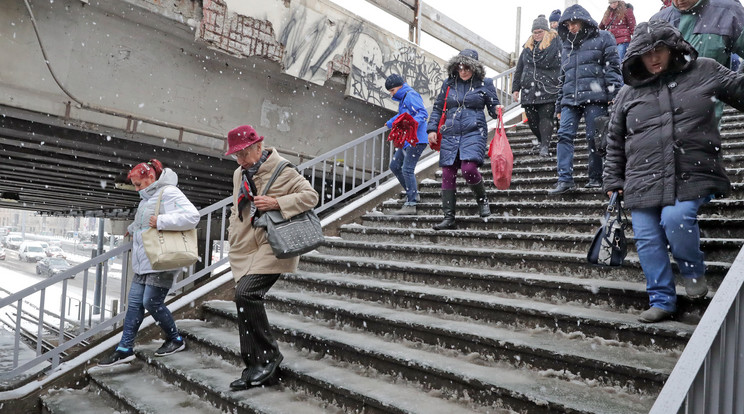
536,79
620,21
715,28
664,155
465,132
404,160
590,73
555,16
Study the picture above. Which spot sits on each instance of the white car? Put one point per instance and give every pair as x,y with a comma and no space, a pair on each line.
13,242
31,252
54,251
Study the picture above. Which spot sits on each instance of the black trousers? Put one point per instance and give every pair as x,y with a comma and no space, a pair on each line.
540,120
257,345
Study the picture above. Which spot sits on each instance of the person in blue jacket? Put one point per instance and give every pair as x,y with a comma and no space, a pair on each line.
465,132
404,160
590,72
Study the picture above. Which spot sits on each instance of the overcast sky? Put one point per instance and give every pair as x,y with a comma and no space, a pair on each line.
494,20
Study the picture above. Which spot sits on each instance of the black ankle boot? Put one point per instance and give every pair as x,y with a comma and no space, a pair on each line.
480,196
448,206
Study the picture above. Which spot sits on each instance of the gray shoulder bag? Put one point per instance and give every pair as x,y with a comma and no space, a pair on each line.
293,236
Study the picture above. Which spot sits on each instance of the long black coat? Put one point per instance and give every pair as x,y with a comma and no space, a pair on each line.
663,141
537,72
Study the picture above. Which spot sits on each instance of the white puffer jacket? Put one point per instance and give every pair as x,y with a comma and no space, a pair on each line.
176,213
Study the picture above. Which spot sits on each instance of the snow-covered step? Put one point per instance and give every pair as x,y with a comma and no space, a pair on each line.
345,387
88,400
513,310
208,376
554,262
715,249
466,378
145,392
602,361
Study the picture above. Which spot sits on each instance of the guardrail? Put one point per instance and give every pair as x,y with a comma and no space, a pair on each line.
708,375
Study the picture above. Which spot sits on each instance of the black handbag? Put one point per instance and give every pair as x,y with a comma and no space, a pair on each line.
609,246
293,236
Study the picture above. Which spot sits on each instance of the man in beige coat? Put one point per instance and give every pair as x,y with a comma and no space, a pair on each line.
253,263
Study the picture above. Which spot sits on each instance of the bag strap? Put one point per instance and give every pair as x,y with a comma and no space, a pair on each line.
444,110
614,208
500,126
160,198
274,175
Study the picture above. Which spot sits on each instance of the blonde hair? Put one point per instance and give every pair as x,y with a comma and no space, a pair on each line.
547,39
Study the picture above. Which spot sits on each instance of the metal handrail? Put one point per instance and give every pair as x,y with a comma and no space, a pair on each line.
339,174
707,376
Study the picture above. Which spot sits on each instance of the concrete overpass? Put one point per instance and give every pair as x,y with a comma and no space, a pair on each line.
91,87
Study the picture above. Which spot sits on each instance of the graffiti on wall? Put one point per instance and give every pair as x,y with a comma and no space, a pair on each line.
313,46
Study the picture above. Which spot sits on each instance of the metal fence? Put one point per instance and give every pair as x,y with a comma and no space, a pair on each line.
63,318
708,376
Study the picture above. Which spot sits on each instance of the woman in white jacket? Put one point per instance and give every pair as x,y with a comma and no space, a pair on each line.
149,287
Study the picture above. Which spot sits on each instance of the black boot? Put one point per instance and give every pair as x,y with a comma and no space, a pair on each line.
480,196
448,206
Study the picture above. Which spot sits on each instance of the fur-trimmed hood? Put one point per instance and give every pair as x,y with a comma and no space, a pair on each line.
467,57
646,37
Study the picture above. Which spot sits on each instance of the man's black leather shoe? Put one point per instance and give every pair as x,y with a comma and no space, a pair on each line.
244,382
263,374
593,184
562,187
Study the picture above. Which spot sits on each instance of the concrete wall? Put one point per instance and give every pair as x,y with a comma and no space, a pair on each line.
320,84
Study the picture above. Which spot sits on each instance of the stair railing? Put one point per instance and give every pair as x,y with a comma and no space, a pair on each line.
709,375
339,174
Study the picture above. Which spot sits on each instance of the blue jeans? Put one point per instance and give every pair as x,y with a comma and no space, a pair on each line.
675,226
150,298
570,117
621,48
403,166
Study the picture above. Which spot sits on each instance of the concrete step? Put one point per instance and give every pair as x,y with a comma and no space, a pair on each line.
619,295
88,400
549,262
636,369
483,384
145,392
714,249
311,374
508,309
549,205
710,227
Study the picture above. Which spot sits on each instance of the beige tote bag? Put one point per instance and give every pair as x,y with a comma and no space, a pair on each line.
168,249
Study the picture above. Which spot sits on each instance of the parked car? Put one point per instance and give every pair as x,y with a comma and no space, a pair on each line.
13,242
31,252
2,253
50,266
55,251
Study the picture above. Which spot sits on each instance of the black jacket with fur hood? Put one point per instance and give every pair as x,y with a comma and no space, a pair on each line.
465,130
663,142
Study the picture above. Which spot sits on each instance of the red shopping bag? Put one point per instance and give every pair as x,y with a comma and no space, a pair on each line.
404,130
502,158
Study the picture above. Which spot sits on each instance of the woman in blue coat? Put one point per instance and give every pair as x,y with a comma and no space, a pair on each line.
404,160
464,132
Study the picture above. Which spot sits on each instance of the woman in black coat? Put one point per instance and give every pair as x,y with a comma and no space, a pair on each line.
536,78
464,133
664,155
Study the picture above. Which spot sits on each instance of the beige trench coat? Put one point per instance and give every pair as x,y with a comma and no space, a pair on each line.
250,252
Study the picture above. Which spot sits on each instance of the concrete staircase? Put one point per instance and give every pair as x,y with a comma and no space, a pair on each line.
501,315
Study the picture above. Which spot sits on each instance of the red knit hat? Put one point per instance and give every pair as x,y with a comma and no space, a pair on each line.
241,137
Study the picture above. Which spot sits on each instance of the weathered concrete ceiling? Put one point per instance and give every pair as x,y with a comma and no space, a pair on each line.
60,169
